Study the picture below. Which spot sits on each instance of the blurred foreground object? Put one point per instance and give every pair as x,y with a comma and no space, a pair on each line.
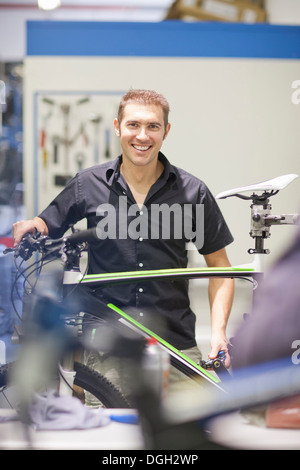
272,331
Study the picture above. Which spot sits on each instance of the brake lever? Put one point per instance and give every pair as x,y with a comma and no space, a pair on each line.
8,250
25,252
217,364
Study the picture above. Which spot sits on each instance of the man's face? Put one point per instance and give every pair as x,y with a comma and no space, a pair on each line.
141,131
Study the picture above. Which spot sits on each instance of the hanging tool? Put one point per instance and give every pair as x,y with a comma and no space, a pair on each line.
96,120
80,159
42,144
107,144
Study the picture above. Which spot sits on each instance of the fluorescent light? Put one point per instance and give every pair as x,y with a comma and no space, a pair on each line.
49,4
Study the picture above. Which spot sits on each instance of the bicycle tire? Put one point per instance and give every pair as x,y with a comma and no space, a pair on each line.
87,379
95,383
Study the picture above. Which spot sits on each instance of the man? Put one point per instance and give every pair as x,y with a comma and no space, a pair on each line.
140,182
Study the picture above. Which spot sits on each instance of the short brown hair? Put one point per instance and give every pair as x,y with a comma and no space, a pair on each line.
144,97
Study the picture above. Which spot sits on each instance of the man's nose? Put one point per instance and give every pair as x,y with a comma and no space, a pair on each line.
142,134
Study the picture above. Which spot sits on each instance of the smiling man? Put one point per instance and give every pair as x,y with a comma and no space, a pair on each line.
142,127
139,181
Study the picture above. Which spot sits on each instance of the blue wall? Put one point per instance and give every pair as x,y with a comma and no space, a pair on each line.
165,39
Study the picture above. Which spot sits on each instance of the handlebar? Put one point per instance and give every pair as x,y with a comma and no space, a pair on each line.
83,236
37,242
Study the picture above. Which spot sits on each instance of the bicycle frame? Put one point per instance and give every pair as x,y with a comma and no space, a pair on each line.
180,360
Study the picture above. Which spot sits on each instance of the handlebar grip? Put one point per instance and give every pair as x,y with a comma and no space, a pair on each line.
8,250
88,235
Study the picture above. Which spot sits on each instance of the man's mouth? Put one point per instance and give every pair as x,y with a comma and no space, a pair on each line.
141,148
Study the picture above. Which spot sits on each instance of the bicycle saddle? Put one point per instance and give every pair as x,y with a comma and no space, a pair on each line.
271,186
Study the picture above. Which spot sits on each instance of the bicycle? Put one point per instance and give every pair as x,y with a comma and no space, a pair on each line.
71,372
69,250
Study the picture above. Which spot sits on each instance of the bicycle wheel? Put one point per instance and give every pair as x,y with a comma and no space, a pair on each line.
86,379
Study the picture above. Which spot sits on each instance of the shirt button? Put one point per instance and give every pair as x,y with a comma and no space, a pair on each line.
141,239
141,212
141,265
141,289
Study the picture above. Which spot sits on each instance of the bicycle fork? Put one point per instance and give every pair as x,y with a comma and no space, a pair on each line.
66,375
66,366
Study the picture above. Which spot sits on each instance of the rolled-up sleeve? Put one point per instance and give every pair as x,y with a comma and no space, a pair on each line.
66,209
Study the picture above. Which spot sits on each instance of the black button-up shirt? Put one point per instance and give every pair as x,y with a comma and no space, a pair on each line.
141,239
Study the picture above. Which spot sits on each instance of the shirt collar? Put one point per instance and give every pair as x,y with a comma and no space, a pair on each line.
113,170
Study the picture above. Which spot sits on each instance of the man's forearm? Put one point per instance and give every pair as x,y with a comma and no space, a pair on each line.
221,292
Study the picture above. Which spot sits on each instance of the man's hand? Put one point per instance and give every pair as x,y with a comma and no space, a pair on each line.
219,343
28,226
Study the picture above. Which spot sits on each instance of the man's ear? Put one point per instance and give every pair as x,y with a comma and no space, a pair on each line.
117,127
167,130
